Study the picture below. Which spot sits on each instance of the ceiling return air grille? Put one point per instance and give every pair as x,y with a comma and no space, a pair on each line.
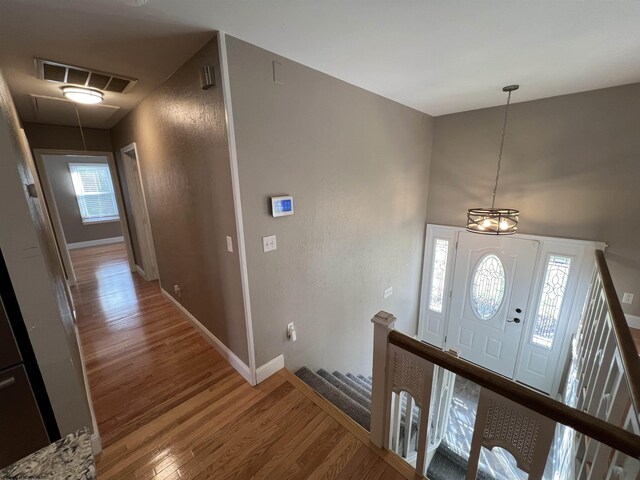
59,72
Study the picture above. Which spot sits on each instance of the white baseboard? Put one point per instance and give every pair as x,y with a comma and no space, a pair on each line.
222,349
633,321
141,271
96,444
93,243
269,368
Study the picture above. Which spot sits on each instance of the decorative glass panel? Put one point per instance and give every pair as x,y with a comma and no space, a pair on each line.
553,290
438,273
488,284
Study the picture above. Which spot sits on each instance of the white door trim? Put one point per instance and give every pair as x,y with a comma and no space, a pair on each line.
133,173
53,208
235,182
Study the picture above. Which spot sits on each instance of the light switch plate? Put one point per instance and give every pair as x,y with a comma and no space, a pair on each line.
388,292
269,243
627,298
229,244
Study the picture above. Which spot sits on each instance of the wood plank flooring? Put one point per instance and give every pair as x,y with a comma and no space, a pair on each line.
635,333
169,406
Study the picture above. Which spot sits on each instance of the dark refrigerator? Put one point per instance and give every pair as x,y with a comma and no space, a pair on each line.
24,406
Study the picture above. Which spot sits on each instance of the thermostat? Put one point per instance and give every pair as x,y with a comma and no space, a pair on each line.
282,206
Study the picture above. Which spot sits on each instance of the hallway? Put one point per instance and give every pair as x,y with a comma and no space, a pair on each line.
169,406
142,357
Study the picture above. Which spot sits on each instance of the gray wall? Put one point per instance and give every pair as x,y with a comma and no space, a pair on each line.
571,165
357,165
181,138
57,167
29,250
58,137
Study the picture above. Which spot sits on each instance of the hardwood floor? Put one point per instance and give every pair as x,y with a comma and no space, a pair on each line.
635,333
169,406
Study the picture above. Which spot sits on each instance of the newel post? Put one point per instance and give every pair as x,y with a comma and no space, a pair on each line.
382,324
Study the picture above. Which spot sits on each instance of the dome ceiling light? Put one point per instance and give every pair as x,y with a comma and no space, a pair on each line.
88,96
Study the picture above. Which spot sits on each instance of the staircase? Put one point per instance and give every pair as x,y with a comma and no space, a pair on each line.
352,394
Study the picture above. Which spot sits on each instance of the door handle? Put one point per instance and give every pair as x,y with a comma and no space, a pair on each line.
8,382
515,320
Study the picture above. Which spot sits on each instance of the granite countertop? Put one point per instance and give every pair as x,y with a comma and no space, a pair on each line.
70,458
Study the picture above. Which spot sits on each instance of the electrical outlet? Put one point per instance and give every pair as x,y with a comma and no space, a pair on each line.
388,292
229,244
291,332
177,290
269,243
627,298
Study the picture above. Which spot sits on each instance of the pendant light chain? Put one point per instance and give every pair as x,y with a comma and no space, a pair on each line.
82,132
504,129
496,221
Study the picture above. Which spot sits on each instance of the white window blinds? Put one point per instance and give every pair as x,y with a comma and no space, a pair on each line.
94,192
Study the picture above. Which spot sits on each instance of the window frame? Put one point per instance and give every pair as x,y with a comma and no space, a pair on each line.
93,220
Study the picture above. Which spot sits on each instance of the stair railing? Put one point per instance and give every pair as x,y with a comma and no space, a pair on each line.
510,415
608,370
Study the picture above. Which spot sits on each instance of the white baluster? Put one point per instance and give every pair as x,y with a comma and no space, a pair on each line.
396,417
408,419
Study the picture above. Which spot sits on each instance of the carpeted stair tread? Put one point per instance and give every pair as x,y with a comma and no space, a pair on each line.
353,409
346,389
359,381
366,380
358,388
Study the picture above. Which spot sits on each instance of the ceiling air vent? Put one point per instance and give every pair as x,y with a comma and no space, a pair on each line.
59,72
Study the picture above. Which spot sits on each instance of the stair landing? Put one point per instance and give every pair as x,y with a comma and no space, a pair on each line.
279,429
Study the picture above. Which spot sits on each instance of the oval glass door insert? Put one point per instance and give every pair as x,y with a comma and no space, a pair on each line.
487,288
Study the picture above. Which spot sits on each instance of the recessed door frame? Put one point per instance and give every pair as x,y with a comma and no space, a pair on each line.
54,215
432,326
135,186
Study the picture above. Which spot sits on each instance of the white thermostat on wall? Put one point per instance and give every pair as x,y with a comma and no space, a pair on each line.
282,206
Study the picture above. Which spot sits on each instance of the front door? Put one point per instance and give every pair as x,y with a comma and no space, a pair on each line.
489,300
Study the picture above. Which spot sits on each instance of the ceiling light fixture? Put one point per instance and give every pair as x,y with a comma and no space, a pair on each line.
89,96
495,221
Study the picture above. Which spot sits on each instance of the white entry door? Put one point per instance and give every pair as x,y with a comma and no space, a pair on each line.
491,286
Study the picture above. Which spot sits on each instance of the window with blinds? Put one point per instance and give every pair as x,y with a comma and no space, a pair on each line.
94,192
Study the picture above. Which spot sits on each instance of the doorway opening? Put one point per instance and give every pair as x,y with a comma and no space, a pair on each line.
84,202
145,253
510,304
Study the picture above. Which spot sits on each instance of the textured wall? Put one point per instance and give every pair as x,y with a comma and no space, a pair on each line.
571,165
62,186
66,138
181,138
29,251
357,166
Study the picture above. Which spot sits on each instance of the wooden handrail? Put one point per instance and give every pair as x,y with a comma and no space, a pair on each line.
626,346
584,423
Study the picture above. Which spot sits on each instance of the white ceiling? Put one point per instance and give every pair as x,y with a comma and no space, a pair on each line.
433,55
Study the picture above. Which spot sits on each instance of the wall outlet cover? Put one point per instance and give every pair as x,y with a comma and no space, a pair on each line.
229,244
388,292
627,298
269,243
